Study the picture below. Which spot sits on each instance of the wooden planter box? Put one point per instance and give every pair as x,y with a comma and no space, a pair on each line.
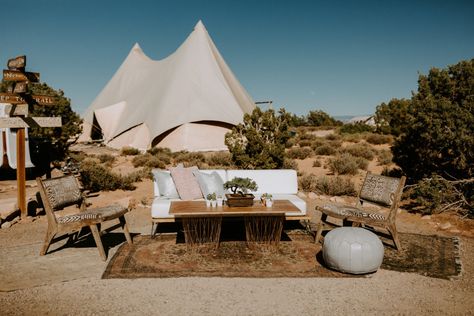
239,200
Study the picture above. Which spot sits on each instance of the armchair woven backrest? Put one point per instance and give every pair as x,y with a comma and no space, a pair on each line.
383,190
61,192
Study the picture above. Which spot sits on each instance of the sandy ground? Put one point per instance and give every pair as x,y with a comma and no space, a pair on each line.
68,281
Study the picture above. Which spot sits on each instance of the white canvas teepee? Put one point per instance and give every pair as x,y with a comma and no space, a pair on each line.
187,101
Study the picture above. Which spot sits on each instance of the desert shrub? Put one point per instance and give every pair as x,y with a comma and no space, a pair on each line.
299,153
359,150
189,159
333,136
305,143
290,164
335,186
317,163
106,158
96,177
221,159
355,128
307,182
325,150
160,150
148,160
378,139
343,164
352,138
362,163
259,142
129,151
384,157
290,142
78,155
307,136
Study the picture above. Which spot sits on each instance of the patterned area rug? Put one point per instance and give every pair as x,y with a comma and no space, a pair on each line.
296,256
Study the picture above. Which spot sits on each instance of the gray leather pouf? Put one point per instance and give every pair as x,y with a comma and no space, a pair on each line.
353,250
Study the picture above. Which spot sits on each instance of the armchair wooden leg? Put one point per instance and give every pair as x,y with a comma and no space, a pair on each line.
125,229
98,241
47,241
319,232
393,232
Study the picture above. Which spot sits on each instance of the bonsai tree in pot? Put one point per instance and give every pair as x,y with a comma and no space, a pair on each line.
240,188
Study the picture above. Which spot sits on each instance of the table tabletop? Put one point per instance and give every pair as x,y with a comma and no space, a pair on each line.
199,208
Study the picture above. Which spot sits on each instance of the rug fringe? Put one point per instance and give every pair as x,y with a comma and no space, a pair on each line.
457,258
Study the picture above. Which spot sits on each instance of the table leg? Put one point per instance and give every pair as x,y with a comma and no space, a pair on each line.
264,229
200,230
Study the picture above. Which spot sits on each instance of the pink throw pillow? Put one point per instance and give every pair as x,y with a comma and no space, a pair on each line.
186,183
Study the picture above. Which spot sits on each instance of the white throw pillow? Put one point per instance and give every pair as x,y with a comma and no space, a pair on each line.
166,184
210,183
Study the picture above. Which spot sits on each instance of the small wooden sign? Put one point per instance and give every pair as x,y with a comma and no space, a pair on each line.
21,87
16,109
16,75
17,63
16,99
24,122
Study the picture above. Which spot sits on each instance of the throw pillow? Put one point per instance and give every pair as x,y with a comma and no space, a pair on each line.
186,183
166,184
210,183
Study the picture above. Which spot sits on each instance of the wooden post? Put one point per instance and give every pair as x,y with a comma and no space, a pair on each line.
21,172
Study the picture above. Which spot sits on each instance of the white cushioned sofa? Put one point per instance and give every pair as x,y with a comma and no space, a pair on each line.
281,183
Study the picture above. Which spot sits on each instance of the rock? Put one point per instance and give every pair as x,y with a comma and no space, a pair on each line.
6,225
312,195
301,195
445,225
426,217
8,207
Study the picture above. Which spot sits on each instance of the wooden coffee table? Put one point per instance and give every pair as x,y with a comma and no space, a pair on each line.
203,224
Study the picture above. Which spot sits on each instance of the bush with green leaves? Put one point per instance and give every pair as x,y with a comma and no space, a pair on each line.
321,118
290,164
241,185
438,136
259,142
325,150
391,117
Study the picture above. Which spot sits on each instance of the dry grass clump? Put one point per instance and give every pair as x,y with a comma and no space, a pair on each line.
378,139
352,138
344,164
129,151
334,186
333,136
384,157
299,153
359,150
219,159
305,143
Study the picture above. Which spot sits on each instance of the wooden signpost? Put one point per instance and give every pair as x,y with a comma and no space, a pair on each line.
19,99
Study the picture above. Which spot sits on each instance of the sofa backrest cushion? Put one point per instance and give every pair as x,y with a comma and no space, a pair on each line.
163,184
210,183
275,181
186,183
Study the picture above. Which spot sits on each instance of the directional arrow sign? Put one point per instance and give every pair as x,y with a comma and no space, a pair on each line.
17,109
15,75
16,99
23,122
17,62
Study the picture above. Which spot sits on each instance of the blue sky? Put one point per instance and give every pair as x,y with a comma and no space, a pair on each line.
343,57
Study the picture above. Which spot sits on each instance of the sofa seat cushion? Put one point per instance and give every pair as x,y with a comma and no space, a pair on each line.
296,200
160,208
